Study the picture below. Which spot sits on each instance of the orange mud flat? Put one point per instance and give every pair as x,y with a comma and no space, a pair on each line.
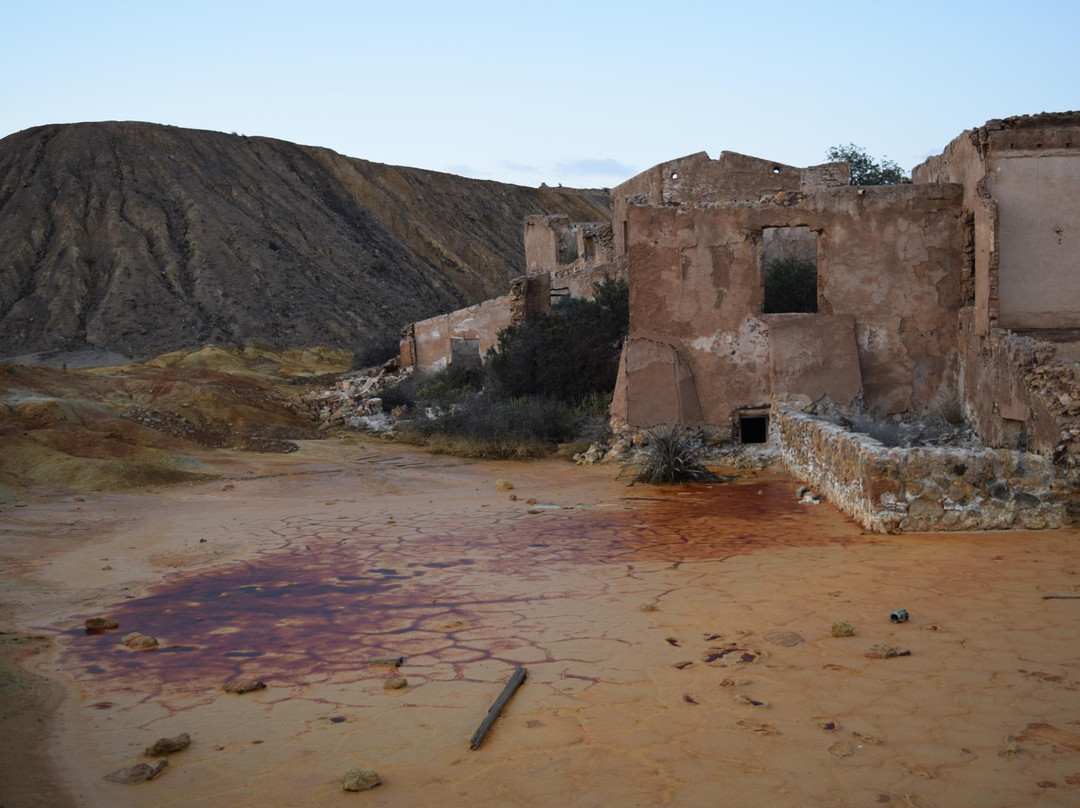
678,643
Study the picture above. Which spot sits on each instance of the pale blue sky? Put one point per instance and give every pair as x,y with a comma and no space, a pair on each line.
583,93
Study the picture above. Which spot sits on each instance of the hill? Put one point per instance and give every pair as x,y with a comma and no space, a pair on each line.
139,239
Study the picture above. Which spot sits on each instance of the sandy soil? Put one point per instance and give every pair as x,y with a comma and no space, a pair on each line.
677,641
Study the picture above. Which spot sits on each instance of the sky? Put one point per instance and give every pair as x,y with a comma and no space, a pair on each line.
584,94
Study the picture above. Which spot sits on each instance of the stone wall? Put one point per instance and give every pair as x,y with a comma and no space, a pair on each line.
891,490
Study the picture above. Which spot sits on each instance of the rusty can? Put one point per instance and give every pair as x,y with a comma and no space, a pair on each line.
899,616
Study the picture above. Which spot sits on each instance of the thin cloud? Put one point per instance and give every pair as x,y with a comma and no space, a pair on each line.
520,168
603,168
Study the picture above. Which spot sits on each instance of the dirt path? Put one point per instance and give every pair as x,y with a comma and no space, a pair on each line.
303,570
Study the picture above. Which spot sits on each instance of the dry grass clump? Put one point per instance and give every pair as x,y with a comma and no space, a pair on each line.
672,455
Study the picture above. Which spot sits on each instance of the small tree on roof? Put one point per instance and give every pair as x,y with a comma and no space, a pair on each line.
865,170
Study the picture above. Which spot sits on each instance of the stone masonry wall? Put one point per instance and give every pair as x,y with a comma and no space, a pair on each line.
893,490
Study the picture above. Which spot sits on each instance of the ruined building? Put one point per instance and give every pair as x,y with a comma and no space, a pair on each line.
954,295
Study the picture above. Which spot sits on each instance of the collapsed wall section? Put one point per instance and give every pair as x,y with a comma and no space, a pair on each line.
923,489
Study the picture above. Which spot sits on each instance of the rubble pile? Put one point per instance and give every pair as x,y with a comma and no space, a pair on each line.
354,402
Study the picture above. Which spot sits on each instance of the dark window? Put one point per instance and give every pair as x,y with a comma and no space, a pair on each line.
754,429
790,270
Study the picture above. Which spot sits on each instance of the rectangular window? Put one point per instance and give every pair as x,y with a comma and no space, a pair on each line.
789,256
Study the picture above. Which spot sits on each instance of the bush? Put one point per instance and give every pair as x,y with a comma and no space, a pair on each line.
442,389
569,353
482,425
672,455
790,286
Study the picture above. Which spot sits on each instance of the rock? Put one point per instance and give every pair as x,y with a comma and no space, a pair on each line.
140,642
387,662
885,652
167,746
787,639
503,485
101,624
1010,751
513,497
865,738
244,685
840,749
648,607
801,491
396,683
843,629
749,702
360,780
827,724
139,773
106,568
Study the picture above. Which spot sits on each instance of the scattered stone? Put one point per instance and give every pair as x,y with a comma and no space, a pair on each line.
843,629
865,738
827,724
360,780
544,508
787,639
727,682
1073,779
673,641
167,746
801,491
228,487
101,624
140,642
387,662
749,702
244,685
1047,784
919,771
139,773
106,568
683,665
886,652
760,729
513,497
840,749
689,699
530,502
503,485
396,683
648,607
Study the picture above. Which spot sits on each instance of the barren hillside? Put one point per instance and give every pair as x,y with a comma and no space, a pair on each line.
139,238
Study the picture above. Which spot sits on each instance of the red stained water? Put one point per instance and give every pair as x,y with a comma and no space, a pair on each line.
340,591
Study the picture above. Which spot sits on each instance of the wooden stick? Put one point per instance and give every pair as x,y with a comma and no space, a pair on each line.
485,726
1061,597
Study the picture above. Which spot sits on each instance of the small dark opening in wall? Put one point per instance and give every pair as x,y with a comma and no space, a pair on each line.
590,247
754,429
674,175
776,169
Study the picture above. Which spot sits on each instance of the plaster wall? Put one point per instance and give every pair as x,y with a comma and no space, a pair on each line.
434,338
1038,197
887,258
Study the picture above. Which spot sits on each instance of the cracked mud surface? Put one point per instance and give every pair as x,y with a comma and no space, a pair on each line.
678,643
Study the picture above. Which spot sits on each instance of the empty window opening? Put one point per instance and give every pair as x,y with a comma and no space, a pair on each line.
754,429
789,257
776,169
674,175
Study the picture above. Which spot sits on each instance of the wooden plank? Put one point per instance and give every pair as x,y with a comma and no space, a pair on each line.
515,682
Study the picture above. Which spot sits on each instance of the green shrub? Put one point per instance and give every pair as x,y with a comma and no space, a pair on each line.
441,390
482,425
672,455
567,354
